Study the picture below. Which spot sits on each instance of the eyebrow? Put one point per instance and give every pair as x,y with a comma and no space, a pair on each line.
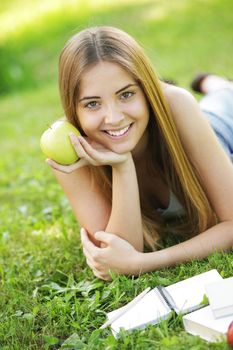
117,92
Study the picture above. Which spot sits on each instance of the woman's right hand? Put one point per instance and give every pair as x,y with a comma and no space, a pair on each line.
90,153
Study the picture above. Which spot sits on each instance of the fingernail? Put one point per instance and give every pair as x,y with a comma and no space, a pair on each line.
82,231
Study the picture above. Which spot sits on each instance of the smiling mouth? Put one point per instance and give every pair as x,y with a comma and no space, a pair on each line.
118,133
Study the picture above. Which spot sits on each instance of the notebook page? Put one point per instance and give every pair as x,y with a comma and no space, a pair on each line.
189,293
220,295
149,309
202,322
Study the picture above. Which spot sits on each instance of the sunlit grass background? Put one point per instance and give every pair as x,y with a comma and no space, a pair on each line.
47,294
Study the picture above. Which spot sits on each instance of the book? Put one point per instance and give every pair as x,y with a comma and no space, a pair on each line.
203,324
156,305
220,295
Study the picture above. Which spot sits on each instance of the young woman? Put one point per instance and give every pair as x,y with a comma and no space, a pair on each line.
150,163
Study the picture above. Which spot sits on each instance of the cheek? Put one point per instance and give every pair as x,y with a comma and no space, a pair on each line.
141,110
88,122
146,109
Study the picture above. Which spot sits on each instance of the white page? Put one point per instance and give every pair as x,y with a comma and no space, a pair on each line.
204,317
149,309
220,296
189,293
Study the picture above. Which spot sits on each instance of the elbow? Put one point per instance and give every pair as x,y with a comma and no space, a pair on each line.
92,238
140,246
231,231
228,234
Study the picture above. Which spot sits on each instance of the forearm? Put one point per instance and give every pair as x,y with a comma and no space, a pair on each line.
125,219
217,238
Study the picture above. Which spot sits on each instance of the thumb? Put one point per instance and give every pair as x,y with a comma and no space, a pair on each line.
103,236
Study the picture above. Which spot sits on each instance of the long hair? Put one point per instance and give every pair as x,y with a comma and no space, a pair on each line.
94,45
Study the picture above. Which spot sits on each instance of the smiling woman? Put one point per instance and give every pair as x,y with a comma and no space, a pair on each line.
117,118
147,154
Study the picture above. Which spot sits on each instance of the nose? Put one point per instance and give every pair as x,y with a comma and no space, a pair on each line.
113,115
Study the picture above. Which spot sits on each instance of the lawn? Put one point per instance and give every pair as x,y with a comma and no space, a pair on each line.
47,293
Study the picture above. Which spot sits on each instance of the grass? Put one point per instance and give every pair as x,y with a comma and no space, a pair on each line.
48,295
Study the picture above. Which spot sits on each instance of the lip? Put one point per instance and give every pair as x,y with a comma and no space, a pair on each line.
120,136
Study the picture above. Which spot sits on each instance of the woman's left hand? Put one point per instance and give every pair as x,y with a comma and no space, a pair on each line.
117,255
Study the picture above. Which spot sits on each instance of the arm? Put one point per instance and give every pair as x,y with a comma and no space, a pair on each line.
125,219
217,238
119,256
125,193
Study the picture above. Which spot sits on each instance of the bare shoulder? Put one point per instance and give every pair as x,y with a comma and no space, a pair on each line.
176,95
184,108
192,126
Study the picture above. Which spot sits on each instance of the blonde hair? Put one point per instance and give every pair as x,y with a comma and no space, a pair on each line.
93,45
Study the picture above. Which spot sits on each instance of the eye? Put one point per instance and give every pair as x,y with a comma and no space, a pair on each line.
127,94
92,105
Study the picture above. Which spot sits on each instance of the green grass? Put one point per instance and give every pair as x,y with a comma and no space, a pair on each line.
47,293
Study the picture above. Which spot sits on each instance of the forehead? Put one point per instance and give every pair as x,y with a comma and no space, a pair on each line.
104,75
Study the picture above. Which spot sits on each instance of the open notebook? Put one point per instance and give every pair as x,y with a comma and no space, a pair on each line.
183,297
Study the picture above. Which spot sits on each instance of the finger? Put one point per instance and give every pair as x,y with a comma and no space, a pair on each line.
89,263
88,148
88,256
105,237
78,146
94,269
67,168
87,243
96,273
105,277
102,276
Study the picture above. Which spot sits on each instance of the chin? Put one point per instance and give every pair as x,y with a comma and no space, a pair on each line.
121,149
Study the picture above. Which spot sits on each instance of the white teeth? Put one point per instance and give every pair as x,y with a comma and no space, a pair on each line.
118,132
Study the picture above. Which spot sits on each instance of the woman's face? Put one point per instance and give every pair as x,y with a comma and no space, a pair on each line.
112,108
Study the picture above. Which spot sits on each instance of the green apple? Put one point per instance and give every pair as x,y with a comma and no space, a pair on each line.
55,142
